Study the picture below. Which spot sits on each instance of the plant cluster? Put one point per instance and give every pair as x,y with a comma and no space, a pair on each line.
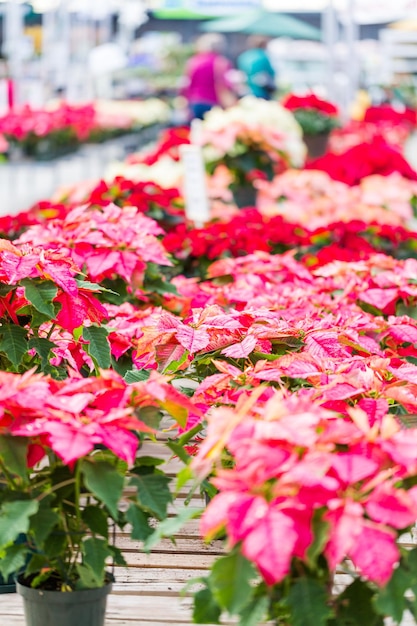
294,342
315,115
45,132
254,137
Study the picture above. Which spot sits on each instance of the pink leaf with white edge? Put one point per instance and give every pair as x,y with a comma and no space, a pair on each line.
244,516
407,372
241,350
123,442
403,333
375,553
99,262
375,409
340,391
325,344
192,339
345,527
61,273
216,514
394,507
352,468
271,544
73,404
18,267
69,441
379,298
300,365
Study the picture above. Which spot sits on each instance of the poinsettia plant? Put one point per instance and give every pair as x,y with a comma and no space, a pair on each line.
315,115
254,139
68,452
308,494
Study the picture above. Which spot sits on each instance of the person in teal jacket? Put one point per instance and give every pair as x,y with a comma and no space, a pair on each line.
254,63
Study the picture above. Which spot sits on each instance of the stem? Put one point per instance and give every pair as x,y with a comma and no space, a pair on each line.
51,330
70,481
78,494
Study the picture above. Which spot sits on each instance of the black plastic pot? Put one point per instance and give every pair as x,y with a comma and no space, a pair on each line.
245,196
316,144
53,608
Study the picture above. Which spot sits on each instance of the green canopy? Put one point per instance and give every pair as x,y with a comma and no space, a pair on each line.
178,14
263,23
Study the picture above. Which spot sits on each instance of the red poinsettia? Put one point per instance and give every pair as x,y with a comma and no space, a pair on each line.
364,160
387,113
310,101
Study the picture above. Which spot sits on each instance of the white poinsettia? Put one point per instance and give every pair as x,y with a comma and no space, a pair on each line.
253,123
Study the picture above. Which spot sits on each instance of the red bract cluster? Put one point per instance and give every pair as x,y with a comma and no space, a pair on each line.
167,146
310,101
244,233
364,160
387,113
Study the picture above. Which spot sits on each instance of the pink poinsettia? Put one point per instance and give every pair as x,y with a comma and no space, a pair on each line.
325,467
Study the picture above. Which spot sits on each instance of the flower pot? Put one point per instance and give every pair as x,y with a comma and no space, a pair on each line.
245,196
76,608
316,144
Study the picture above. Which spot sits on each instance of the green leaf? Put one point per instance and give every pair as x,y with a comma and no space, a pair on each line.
390,600
98,345
40,318
149,461
136,376
95,552
308,602
12,560
13,453
41,294
320,534
86,284
55,544
206,610
151,416
230,582
170,526
43,347
14,519
255,612
104,482
183,477
179,451
403,309
174,366
36,564
42,523
5,289
355,606
140,523
96,520
13,342
153,493
117,555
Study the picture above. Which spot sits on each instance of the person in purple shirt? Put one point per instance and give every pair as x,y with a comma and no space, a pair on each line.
206,77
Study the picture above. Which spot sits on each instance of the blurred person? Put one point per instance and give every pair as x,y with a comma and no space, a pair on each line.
254,63
207,82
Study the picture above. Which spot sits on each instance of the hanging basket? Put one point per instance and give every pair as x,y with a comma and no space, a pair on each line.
76,608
